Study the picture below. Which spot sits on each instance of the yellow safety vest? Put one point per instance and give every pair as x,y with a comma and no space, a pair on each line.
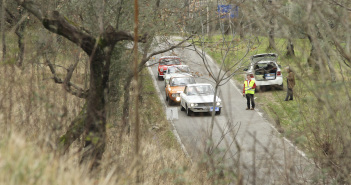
248,87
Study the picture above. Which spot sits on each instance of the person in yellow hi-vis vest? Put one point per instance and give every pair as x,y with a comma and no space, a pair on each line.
249,91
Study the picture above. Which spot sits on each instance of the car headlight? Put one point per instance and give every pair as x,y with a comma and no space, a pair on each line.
178,98
193,104
174,95
218,103
161,69
169,89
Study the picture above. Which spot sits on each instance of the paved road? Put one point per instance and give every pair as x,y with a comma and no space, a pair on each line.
265,157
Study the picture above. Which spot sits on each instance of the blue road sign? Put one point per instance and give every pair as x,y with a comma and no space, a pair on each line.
228,11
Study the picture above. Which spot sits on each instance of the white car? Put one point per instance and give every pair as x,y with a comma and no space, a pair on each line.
174,70
265,70
199,98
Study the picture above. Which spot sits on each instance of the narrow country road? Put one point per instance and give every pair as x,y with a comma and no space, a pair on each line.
243,136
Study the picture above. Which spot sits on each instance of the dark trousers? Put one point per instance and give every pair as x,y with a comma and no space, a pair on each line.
250,97
289,94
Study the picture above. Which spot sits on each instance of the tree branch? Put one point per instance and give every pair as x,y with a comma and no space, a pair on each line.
58,24
145,59
341,5
79,92
111,36
32,7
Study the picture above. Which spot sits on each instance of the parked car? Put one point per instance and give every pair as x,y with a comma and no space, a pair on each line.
164,62
199,98
265,70
175,70
176,86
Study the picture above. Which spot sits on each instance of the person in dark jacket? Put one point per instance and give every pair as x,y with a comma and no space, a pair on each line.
291,83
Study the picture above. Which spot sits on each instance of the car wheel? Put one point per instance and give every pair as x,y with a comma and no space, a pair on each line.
218,112
159,77
188,111
181,107
170,101
281,87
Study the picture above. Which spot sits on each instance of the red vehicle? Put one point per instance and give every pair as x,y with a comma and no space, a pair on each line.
163,64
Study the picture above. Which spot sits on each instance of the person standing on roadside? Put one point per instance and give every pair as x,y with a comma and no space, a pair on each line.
249,91
290,79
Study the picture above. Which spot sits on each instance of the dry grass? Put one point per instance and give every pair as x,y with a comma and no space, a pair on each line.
35,112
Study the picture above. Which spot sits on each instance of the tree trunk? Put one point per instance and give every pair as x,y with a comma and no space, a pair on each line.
19,32
330,65
313,57
271,36
290,49
95,125
241,30
125,121
3,30
73,132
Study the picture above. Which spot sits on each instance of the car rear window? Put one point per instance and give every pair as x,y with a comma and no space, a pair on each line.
170,61
182,81
183,69
171,70
267,57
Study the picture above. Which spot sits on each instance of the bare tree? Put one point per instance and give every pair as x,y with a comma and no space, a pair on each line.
3,4
91,122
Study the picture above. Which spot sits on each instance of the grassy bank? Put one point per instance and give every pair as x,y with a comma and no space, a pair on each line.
313,106
163,162
35,112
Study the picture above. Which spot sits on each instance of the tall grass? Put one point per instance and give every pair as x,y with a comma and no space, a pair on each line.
35,112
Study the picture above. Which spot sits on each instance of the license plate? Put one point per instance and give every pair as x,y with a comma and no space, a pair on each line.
216,109
270,76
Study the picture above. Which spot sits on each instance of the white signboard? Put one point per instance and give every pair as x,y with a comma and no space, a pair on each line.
172,113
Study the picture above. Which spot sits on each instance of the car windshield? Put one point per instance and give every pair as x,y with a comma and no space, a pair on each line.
170,61
182,81
200,90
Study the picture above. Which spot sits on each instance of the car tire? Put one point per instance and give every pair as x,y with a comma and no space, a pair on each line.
219,112
170,102
181,107
281,87
188,111
159,77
